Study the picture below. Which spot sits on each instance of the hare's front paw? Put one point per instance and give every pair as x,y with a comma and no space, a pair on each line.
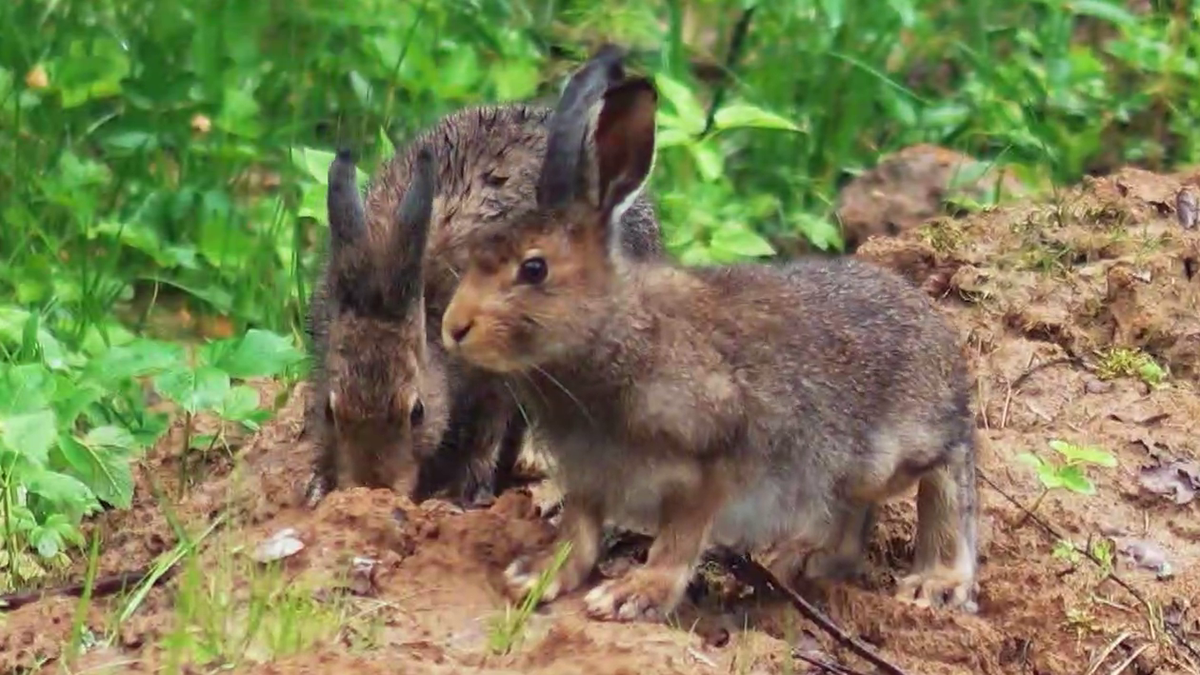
939,586
643,594
547,499
524,573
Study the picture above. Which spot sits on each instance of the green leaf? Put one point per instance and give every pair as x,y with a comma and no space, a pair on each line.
733,241
1072,478
1050,476
1112,12
259,353
687,107
744,115
203,388
67,492
105,470
240,404
1086,454
30,434
515,80
708,160
48,542
141,357
316,163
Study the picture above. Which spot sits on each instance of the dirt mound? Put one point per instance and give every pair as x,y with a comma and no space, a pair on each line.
1079,318
910,186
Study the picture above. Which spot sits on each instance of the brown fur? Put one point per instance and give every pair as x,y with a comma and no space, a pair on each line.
486,164
743,406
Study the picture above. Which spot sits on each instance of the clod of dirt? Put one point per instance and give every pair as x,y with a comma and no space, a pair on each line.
1146,555
282,544
1179,479
909,187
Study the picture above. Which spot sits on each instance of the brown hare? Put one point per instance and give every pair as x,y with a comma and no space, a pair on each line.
383,401
745,406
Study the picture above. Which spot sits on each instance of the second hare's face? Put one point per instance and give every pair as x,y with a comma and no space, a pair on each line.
532,292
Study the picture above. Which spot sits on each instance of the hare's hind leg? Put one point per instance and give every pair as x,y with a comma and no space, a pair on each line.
844,559
946,543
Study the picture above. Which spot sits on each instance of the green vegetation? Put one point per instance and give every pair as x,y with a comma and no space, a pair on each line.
162,167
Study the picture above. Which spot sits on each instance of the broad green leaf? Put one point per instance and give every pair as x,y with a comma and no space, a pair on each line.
317,162
744,115
203,388
708,160
30,434
259,353
687,107
67,492
515,80
28,387
821,232
240,404
1048,474
105,470
1087,454
112,438
1072,478
141,357
733,241
48,542
14,322
1113,12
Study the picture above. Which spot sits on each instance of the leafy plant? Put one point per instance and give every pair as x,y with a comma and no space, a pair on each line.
1124,362
69,435
1071,472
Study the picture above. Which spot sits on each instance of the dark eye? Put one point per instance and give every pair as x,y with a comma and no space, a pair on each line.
418,413
532,271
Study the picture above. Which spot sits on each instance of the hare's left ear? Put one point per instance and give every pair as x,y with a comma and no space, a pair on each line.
624,145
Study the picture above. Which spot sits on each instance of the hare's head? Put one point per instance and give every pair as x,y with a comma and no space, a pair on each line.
538,283
386,395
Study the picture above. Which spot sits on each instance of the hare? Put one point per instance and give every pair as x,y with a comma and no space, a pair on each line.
385,409
742,406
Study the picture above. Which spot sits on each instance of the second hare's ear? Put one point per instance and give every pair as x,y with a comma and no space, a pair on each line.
624,145
347,219
411,232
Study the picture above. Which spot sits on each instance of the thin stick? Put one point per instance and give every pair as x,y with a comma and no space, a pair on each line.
825,666
760,577
106,585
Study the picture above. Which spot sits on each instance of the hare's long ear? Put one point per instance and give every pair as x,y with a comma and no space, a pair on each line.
347,219
411,231
625,140
568,127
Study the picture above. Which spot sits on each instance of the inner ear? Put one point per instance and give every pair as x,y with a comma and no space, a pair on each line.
625,142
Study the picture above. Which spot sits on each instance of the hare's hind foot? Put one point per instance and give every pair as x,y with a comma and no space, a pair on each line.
944,566
941,586
642,594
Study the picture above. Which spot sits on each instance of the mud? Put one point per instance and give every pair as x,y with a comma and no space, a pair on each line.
1042,292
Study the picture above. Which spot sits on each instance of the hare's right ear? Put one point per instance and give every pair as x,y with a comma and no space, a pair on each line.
347,218
625,140
568,127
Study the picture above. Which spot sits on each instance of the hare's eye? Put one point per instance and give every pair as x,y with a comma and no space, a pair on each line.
532,271
417,415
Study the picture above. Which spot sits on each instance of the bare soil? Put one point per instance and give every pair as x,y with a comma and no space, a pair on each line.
1040,291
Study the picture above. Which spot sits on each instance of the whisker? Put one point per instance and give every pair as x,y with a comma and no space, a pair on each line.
566,391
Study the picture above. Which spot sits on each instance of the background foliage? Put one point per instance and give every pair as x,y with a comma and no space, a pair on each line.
161,166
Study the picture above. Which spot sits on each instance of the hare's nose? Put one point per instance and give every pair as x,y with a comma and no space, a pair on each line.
460,332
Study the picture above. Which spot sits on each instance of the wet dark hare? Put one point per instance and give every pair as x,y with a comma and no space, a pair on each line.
745,406
384,400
